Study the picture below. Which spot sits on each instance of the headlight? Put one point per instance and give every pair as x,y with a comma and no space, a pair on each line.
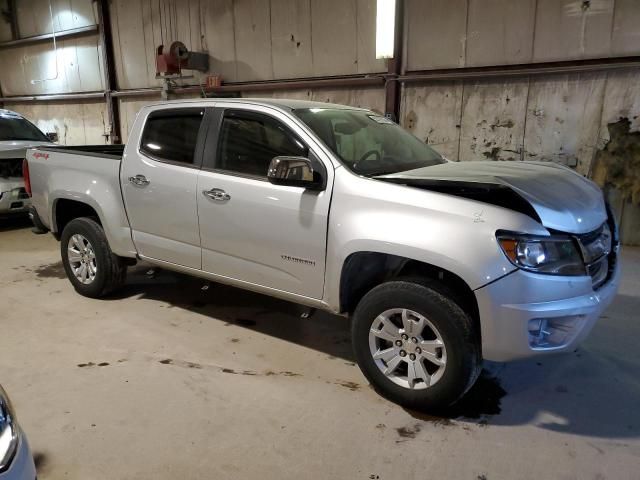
8,431
552,255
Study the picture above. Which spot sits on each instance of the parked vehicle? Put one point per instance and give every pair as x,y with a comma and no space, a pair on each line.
439,264
16,461
16,135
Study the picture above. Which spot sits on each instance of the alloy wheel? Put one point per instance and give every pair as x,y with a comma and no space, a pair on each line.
407,348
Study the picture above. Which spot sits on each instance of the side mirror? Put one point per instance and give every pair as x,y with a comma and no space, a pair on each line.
294,172
53,136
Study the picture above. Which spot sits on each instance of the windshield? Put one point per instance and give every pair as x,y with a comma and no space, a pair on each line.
14,127
367,143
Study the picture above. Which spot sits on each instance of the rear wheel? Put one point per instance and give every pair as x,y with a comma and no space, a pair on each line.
415,345
91,267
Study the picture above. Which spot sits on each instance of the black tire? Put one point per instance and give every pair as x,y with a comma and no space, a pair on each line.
111,269
463,362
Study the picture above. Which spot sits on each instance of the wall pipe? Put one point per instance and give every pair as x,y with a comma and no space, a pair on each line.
374,80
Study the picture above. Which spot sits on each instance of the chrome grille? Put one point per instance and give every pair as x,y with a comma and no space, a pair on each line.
599,271
598,253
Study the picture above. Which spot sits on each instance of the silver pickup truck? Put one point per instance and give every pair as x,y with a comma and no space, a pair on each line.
439,264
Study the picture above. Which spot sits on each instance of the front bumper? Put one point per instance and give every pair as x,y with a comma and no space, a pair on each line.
14,201
22,466
507,305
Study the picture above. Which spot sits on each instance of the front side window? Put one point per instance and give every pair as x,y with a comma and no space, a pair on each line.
171,135
368,144
249,141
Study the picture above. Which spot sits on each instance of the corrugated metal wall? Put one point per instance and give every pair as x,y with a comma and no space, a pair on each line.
558,117
73,66
562,118
248,39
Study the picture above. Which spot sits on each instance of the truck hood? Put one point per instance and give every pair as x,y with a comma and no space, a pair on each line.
562,199
18,148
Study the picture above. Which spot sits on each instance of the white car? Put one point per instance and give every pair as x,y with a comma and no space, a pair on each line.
16,135
16,461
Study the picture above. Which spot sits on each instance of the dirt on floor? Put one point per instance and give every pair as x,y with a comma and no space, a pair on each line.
168,379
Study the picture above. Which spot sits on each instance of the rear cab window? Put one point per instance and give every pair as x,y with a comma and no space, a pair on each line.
171,135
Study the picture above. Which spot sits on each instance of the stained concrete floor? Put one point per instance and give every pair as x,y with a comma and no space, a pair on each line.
168,380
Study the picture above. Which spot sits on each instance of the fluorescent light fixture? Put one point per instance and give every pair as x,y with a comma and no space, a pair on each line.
385,28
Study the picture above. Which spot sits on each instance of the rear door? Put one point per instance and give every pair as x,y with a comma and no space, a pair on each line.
159,181
251,230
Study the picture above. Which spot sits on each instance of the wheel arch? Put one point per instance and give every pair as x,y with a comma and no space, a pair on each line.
65,206
364,270
65,209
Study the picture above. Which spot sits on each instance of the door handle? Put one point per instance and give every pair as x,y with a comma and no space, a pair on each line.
217,194
139,180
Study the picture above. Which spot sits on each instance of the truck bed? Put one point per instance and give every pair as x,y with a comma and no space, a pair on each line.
87,174
106,151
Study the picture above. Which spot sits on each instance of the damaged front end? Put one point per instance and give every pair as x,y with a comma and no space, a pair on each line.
568,205
494,194
14,198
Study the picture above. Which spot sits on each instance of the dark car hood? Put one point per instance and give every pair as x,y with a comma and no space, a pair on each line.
562,199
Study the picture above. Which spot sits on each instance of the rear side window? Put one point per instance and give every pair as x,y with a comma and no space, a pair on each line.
171,135
249,141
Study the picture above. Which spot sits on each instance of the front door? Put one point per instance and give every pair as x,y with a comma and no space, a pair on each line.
159,183
252,230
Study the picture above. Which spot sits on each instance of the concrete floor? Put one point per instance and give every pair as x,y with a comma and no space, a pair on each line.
168,380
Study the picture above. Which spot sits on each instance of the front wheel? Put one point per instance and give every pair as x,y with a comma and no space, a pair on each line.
417,347
91,267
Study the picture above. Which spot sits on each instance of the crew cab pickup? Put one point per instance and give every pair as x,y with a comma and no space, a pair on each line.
439,264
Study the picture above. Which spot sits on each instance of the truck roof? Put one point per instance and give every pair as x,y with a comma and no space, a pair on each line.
283,103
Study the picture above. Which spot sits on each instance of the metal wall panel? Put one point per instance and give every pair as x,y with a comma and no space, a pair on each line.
291,38
252,30
436,33
248,39
139,27
621,100
39,69
569,29
5,24
219,39
76,123
334,53
500,32
563,119
34,17
366,47
493,120
129,38
432,113
625,37
443,34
